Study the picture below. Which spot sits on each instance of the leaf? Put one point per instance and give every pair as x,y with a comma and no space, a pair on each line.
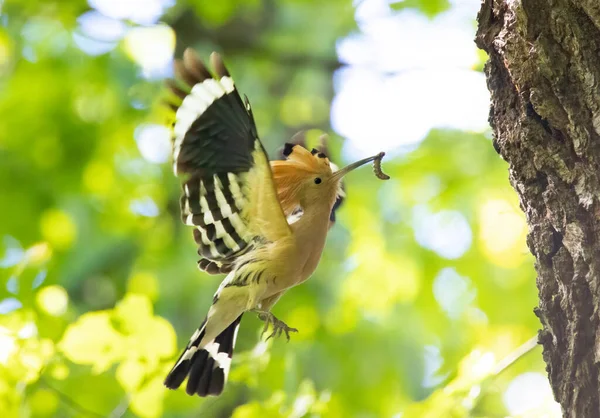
149,337
130,374
93,340
148,402
130,331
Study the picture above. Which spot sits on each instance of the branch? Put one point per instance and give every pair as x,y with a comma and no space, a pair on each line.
519,352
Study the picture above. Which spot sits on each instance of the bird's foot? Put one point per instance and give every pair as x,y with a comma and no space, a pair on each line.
279,326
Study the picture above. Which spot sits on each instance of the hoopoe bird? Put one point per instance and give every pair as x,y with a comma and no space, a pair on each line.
263,223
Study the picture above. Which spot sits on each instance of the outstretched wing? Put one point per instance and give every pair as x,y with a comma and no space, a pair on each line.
228,192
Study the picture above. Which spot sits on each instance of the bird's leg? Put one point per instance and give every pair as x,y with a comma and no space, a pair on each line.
279,326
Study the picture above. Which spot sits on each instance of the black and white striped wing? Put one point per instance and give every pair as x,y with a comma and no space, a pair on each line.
223,165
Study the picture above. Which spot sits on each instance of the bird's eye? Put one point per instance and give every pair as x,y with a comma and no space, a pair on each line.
318,180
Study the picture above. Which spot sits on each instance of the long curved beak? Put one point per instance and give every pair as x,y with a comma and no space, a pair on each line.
341,173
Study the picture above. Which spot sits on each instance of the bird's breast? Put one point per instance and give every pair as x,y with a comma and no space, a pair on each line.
310,254
311,264
302,256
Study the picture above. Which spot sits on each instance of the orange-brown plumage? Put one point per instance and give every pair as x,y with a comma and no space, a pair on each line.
290,175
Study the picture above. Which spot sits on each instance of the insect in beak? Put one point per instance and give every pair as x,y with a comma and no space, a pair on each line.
376,167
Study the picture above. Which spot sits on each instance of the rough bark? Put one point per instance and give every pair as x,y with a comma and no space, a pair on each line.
544,78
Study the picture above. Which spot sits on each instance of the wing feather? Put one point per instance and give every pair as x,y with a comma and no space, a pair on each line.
229,196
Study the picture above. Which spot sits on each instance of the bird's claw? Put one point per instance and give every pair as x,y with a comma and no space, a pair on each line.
279,326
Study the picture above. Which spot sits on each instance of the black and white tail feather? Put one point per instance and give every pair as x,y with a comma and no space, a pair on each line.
230,200
206,367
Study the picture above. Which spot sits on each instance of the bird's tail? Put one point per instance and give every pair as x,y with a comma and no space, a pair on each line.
206,367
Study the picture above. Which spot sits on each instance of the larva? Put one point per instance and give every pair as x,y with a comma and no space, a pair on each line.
377,167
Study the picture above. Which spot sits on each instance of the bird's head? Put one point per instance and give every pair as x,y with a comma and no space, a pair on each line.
308,177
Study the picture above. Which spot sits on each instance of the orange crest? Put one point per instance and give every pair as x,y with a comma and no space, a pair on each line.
289,174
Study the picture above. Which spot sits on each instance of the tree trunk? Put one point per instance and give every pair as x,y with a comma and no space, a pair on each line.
544,78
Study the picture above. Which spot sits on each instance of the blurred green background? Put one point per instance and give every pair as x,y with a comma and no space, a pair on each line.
425,289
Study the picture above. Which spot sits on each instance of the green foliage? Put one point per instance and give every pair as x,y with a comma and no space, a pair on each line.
429,8
98,296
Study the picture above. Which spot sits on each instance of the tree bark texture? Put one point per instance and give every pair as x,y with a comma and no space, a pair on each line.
544,77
